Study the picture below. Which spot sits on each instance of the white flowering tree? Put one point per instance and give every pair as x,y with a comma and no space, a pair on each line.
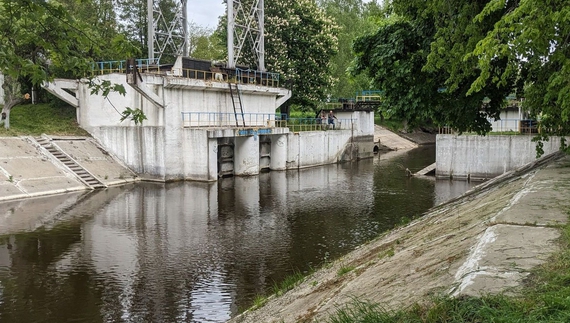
300,40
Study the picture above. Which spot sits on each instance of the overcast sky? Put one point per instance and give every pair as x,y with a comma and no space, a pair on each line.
205,13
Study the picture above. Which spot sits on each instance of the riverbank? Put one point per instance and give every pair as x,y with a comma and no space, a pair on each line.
27,170
385,139
484,242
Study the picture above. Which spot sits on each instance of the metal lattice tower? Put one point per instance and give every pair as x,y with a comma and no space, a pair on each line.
168,37
243,24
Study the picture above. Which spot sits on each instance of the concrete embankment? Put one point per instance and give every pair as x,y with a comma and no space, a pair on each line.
486,241
386,139
27,169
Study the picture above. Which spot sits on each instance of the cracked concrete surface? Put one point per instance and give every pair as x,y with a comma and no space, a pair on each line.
484,242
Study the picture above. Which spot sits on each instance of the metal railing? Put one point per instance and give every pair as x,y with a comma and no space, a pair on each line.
314,124
504,126
144,65
224,120
237,75
259,120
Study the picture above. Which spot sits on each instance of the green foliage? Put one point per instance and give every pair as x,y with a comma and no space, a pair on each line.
33,120
288,283
353,20
456,61
136,115
344,270
417,58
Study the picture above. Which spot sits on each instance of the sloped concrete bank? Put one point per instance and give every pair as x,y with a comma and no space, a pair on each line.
27,169
486,241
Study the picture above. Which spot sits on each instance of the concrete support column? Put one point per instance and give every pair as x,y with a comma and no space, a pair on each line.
212,159
278,152
246,156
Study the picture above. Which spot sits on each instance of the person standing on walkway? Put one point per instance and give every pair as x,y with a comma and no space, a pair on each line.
331,118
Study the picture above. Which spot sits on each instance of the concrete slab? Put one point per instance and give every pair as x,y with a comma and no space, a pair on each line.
503,257
16,147
26,168
50,185
96,161
391,140
26,171
544,200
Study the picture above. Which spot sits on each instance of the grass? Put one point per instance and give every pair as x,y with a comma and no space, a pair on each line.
545,297
35,119
288,283
345,270
390,124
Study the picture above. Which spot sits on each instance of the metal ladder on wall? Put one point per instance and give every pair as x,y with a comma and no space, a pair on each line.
236,101
81,172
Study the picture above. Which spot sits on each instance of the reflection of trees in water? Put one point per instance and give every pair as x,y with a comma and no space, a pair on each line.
163,252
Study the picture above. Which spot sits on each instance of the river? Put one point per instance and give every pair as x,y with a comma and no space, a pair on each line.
198,252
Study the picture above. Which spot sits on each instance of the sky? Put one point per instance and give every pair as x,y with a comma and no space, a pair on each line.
205,13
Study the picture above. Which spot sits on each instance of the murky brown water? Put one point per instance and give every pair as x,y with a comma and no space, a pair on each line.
197,252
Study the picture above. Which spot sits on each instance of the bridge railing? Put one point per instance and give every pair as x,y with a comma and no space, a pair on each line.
260,120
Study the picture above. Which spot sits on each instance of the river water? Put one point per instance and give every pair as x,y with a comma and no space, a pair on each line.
198,252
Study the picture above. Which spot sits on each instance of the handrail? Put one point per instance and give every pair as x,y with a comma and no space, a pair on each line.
258,120
242,76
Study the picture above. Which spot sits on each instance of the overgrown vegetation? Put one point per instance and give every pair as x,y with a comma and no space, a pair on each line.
545,297
35,119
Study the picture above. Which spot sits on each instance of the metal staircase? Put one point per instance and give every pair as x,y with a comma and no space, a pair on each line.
86,177
236,101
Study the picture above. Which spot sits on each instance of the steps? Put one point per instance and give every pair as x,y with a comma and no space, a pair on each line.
81,172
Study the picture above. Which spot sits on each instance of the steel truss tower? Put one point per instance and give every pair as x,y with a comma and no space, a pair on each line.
167,37
245,23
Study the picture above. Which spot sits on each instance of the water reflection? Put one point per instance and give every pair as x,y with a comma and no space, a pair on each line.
196,252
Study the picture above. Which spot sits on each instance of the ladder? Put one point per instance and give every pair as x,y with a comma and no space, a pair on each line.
236,101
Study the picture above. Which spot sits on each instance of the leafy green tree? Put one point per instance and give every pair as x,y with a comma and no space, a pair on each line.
300,43
353,18
204,44
456,61
39,40
533,38
417,58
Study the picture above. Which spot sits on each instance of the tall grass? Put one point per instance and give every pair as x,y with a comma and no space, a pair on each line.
35,119
545,297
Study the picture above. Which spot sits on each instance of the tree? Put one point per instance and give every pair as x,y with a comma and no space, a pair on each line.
533,38
417,58
300,40
353,20
203,44
39,39
477,53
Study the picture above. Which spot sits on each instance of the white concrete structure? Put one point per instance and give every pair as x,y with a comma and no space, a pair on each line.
510,120
192,131
484,157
